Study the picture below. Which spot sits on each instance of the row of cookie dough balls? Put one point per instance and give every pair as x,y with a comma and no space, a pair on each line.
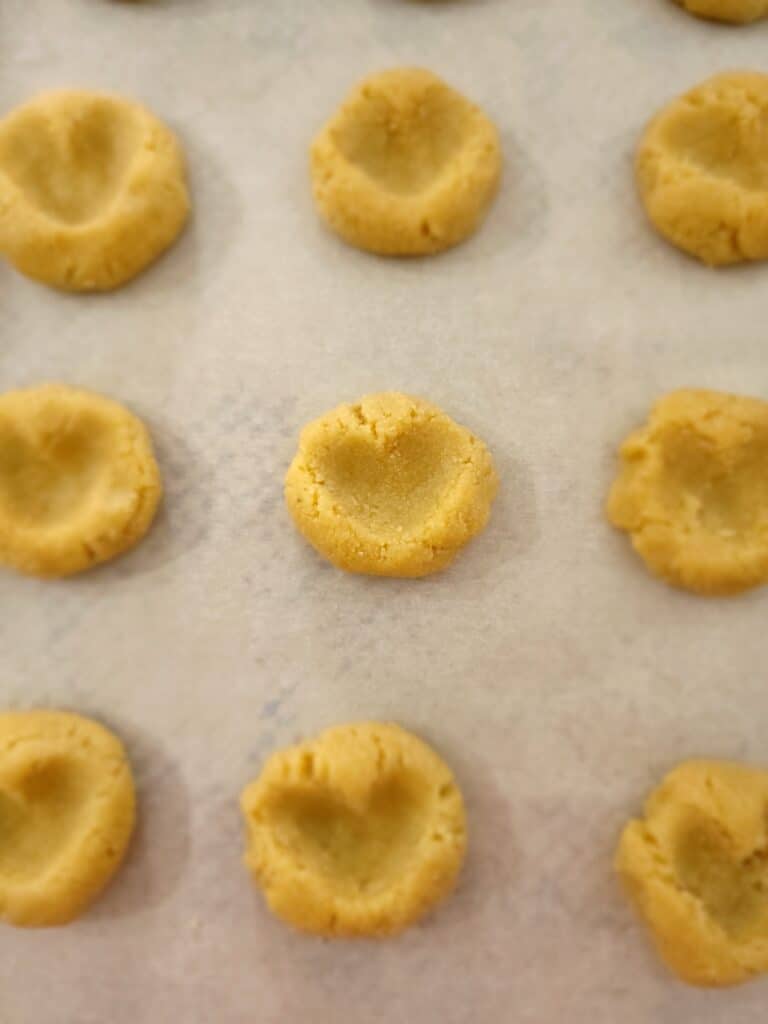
389,486
362,831
93,187
359,832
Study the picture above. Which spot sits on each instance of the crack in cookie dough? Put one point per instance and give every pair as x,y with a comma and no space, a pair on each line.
693,491
696,868
735,11
67,809
92,189
390,486
702,170
79,483
360,831
407,166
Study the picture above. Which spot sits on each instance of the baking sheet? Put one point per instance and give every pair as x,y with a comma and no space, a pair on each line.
555,676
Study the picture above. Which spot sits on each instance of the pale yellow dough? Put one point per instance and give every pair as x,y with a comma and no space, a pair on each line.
92,189
407,166
693,491
390,486
702,169
79,483
736,11
67,810
358,832
696,868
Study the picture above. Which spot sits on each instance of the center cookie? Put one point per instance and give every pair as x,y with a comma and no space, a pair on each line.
359,832
407,166
390,486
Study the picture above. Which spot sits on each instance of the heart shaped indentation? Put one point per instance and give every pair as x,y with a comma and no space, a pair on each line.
359,849
51,467
405,134
360,832
71,166
390,486
396,485
733,889
718,477
723,141
42,810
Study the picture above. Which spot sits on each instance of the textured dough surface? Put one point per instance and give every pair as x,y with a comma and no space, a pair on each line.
702,169
693,491
696,868
390,486
79,483
407,166
736,11
67,810
92,189
360,831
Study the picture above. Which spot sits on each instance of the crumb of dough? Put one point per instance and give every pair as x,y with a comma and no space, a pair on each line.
92,189
79,483
702,170
407,166
390,486
359,832
735,11
696,869
693,491
67,810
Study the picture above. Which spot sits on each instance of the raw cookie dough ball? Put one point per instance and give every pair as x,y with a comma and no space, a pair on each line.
92,189
390,486
360,831
702,170
696,868
407,166
78,480
693,491
67,811
737,11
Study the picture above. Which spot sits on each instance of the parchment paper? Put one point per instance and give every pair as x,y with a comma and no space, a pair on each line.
558,679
